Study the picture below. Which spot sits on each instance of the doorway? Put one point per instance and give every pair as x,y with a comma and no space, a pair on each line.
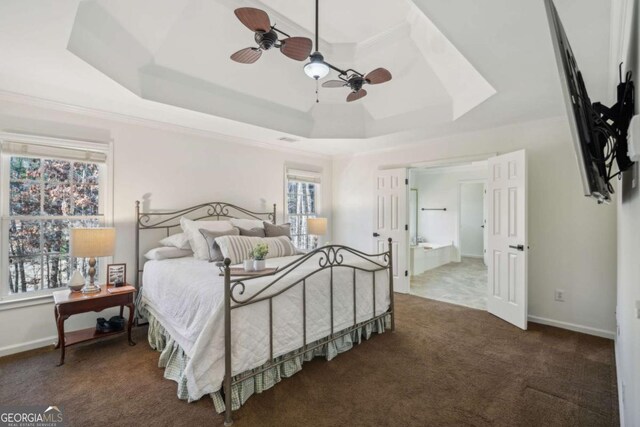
448,235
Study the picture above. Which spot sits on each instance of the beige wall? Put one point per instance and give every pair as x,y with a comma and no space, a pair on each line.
168,168
572,239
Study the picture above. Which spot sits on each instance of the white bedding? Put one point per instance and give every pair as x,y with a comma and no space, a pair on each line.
186,296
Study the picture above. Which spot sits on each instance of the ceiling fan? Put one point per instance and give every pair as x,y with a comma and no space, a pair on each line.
299,48
318,68
355,80
266,36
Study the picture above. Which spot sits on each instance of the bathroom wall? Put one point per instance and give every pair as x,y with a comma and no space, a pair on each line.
472,219
439,188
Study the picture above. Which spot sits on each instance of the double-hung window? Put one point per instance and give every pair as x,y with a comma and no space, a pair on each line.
302,199
48,186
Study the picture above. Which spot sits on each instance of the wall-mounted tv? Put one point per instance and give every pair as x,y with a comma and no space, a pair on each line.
599,133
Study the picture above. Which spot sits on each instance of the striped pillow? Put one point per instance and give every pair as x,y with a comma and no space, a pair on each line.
239,248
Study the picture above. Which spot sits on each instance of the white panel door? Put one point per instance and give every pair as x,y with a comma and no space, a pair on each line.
507,240
390,221
485,230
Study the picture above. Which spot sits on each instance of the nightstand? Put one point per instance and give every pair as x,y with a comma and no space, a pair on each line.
68,303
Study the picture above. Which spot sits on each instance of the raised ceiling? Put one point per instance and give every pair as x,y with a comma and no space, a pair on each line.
176,52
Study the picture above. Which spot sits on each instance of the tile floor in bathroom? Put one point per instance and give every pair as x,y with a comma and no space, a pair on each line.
462,283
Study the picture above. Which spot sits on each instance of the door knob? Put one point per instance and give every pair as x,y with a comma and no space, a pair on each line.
518,247
376,235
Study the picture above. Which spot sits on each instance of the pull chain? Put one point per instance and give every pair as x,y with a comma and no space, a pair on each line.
317,96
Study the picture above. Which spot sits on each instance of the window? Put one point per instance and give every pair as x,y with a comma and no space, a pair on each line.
303,191
46,190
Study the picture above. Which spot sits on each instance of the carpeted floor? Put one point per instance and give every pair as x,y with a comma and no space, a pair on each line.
462,283
445,365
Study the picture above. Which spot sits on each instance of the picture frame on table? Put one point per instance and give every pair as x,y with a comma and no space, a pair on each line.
116,274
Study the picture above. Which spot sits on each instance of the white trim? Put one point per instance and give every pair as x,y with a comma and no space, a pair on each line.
26,346
153,124
573,327
444,161
8,303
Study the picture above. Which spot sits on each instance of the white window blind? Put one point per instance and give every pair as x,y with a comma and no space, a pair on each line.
303,176
57,151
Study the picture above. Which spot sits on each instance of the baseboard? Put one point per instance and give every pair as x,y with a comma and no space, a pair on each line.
472,256
26,346
573,327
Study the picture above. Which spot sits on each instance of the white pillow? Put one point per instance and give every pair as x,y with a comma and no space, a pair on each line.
247,224
167,252
179,241
239,248
197,241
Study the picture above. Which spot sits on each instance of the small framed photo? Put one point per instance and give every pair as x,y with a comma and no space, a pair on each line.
116,274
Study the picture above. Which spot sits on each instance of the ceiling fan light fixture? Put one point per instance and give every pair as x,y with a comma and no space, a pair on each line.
316,68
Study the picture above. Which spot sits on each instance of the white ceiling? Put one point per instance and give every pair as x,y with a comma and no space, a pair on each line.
447,58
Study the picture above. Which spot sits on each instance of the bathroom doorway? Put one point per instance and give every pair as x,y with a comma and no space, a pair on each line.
448,234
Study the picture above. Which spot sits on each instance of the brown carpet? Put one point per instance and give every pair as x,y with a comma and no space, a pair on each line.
444,366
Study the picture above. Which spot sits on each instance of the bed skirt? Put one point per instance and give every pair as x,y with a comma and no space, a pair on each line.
174,360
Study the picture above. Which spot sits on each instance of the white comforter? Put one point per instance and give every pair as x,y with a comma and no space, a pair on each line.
187,297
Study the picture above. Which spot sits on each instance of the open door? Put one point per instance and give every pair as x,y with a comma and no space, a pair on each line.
485,230
507,240
390,221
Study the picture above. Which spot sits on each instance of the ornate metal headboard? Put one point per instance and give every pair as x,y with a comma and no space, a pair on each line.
171,219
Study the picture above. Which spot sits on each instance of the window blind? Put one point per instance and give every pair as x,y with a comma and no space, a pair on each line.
91,155
303,176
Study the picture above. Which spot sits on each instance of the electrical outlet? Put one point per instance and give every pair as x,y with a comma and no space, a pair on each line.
559,295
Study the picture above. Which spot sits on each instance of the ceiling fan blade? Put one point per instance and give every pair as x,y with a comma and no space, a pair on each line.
248,55
377,76
334,83
298,48
254,19
354,96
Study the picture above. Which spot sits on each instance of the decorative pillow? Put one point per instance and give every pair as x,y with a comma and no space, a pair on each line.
277,230
254,232
214,250
239,248
198,243
167,252
179,241
247,224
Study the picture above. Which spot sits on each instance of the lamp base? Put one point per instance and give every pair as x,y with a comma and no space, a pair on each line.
91,289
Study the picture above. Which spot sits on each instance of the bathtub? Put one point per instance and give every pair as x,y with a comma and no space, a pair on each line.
426,256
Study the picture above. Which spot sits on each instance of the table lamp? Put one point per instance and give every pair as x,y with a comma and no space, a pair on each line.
316,227
92,243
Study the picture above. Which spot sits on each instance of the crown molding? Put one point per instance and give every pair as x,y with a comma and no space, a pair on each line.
13,97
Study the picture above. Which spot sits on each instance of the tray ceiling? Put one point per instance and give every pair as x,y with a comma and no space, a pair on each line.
177,53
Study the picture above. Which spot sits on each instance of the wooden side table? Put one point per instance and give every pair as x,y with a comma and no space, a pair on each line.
68,303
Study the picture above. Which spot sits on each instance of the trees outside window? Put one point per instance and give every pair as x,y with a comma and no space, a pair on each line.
301,204
47,197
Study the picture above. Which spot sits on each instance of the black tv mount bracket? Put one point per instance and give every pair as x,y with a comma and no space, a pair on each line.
618,118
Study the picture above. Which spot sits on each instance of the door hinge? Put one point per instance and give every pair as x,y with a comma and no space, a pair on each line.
406,273
406,227
406,181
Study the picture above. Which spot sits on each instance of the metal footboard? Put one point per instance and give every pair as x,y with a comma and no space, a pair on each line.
329,257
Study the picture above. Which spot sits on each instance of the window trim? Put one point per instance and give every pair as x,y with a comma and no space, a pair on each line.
302,175
106,148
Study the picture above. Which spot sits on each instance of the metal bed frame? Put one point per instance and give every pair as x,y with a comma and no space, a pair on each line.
329,257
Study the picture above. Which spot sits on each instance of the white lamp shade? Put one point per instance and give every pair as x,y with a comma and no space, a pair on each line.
316,70
317,226
92,242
